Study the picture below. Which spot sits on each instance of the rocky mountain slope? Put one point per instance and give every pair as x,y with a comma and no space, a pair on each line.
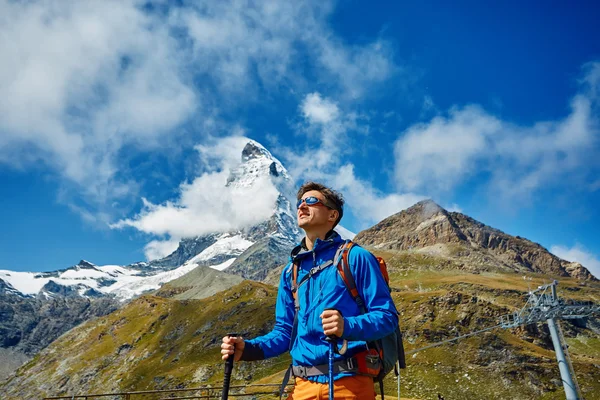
446,281
30,323
199,283
429,229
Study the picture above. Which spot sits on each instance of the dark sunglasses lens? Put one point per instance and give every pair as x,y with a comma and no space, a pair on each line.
311,200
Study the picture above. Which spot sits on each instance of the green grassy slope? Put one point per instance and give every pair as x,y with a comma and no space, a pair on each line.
437,304
152,343
157,343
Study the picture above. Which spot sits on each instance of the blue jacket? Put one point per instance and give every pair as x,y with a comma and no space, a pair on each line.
326,289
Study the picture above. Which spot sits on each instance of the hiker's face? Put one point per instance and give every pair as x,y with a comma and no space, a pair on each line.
315,216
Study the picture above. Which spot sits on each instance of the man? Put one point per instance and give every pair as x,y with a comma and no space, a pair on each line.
326,307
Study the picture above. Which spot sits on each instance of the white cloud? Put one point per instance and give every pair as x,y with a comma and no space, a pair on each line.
440,155
356,68
207,204
428,106
368,204
327,128
579,254
318,110
80,80
454,208
82,83
242,44
220,154
321,160
157,249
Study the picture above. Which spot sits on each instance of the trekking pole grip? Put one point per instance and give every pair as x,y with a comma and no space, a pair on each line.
228,370
333,339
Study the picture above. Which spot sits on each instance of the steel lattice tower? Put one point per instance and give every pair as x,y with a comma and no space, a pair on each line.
544,305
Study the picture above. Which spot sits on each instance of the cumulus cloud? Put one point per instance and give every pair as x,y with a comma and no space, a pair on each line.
440,155
157,249
221,154
327,127
368,204
208,204
85,84
579,254
356,68
320,159
318,110
79,81
235,41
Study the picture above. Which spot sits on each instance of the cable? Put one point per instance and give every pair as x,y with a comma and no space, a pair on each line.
453,339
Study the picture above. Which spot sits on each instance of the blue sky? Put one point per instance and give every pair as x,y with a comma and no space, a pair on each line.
115,113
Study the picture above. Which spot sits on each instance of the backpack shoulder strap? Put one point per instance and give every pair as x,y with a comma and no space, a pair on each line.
343,267
286,377
296,285
296,302
295,281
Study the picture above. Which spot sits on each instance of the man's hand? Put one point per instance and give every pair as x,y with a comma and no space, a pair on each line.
227,347
333,323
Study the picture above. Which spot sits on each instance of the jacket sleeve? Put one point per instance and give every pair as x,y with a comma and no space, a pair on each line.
277,341
381,317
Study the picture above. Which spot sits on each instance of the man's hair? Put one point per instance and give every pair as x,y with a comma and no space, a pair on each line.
333,199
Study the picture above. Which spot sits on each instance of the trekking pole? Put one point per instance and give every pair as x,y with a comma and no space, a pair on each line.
228,371
398,366
332,348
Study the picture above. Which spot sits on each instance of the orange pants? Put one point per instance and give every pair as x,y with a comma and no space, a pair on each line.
356,387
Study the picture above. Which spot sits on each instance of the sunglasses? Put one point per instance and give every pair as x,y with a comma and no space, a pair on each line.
311,201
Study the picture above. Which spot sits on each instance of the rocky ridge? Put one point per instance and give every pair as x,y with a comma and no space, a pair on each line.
428,228
30,323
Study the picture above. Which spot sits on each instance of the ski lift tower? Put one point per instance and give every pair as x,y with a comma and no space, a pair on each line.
544,305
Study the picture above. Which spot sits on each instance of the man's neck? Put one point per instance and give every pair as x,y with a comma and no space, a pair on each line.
311,238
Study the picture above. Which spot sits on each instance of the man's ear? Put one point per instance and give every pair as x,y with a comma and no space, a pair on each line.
333,216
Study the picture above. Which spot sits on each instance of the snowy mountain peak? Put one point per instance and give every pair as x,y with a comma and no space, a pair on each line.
7,288
83,264
254,150
258,163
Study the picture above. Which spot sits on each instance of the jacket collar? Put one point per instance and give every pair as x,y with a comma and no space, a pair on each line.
300,250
